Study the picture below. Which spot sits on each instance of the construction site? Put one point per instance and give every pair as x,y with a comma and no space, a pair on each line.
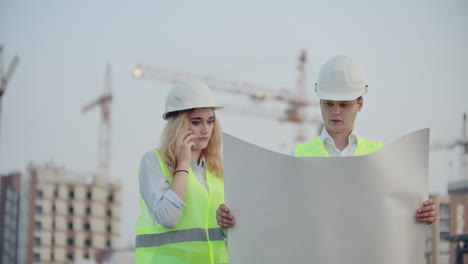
82,92
74,217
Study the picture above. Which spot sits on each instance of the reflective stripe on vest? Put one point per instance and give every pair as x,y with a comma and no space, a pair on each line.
177,236
196,238
315,148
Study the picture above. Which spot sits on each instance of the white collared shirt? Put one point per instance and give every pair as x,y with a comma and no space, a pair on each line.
330,146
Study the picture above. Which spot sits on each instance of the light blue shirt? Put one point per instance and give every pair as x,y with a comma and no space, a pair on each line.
165,207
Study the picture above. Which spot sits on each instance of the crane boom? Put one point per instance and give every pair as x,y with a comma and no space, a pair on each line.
255,91
102,99
297,99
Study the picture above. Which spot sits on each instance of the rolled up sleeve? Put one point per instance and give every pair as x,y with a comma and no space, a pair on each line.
164,206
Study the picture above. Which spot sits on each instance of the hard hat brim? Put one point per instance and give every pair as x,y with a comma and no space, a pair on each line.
339,97
165,115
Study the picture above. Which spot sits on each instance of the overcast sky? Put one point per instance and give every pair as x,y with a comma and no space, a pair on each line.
414,54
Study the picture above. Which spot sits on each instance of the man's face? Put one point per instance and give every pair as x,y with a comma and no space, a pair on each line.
339,116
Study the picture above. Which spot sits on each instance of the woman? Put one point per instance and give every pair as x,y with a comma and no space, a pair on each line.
181,184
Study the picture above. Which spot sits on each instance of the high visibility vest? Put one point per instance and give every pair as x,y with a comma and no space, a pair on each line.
315,148
196,239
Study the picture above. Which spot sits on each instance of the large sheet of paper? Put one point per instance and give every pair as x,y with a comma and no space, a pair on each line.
353,210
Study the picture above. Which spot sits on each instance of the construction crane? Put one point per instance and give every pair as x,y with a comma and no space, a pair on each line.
5,77
297,101
104,101
461,142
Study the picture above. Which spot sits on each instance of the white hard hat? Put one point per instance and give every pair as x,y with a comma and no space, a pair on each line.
187,95
341,79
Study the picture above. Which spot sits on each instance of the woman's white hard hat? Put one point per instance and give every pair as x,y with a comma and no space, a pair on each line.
341,79
188,95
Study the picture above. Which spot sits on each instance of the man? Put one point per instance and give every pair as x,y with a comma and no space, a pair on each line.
340,87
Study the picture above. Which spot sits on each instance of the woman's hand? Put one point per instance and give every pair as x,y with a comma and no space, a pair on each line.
183,151
427,213
224,217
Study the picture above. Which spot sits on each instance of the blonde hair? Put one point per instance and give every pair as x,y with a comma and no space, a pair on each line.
176,127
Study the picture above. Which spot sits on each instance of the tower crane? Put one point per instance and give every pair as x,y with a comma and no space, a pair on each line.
461,142
104,101
5,77
297,101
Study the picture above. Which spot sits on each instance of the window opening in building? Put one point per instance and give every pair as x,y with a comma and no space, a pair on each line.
88,242
38,209
37,241
38,225
37,257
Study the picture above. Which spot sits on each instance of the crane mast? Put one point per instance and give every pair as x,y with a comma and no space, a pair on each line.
104,143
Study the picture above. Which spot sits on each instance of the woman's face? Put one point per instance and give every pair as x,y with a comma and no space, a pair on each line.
201,123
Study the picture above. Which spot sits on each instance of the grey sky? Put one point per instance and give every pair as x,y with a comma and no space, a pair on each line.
414,54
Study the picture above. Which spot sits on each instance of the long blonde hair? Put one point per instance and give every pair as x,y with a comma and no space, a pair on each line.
176,127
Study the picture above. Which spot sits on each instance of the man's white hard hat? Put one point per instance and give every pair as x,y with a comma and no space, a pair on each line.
341,79
188,95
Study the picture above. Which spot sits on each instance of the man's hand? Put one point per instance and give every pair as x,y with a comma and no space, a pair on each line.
224,217
427,213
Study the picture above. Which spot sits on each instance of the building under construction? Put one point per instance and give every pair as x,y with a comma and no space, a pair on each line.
67,217
447,242
9,217
442,242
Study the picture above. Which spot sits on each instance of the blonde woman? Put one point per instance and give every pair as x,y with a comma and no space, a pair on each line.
181,183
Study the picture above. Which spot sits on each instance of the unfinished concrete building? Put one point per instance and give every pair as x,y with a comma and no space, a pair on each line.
68,216
9,217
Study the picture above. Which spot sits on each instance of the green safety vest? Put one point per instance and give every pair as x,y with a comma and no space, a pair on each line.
197,238
315,148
